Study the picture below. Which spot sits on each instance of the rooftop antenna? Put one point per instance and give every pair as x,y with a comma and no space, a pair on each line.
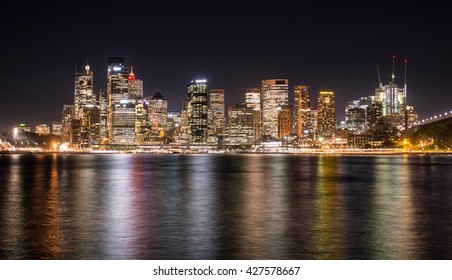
393,59
405,61
378,72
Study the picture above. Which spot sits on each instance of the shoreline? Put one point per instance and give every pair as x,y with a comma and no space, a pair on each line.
188,152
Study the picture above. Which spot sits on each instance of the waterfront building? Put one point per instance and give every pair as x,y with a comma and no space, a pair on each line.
158,114
326,113
197,112
123,93
90,125
83,91
142,124
135,96
103,106
311,126
375,123
253,101
411,116
23,128
134,86
67,115
355,119
274,94
284,121
183,137
393,101
57,128
240,125
85,121
172,126
392,98
302,109
355,114
216,107
42,129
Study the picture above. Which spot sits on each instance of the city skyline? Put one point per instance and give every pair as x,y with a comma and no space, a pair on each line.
326,48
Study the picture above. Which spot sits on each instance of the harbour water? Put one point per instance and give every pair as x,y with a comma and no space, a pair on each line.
219,206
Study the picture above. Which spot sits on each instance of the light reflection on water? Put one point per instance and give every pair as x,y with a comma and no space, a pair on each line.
126,206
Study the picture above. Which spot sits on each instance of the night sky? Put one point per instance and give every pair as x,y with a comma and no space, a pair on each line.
326,46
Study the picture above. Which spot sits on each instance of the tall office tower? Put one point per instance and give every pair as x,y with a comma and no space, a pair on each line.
183,137
120,108
85,123
83,94
253,101
158,113
412,117
135,86
90,126
312,128
240,125
355,119
142,125
135,97
374,117
355,114
103,105
67,115
172,127
393,100
326,113
274,94
216,105
302,108
284,121
197,111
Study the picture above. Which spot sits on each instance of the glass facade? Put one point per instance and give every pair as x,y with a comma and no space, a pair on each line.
275,93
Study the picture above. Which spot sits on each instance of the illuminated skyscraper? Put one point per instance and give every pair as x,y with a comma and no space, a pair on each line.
197,111
355,114
253,102
302,108
121,115
85,124
216,106
253,99
173,125
103,105
83,94
158,113
240,126
284,121
67,115
275,93
393,100
135,86
326,113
